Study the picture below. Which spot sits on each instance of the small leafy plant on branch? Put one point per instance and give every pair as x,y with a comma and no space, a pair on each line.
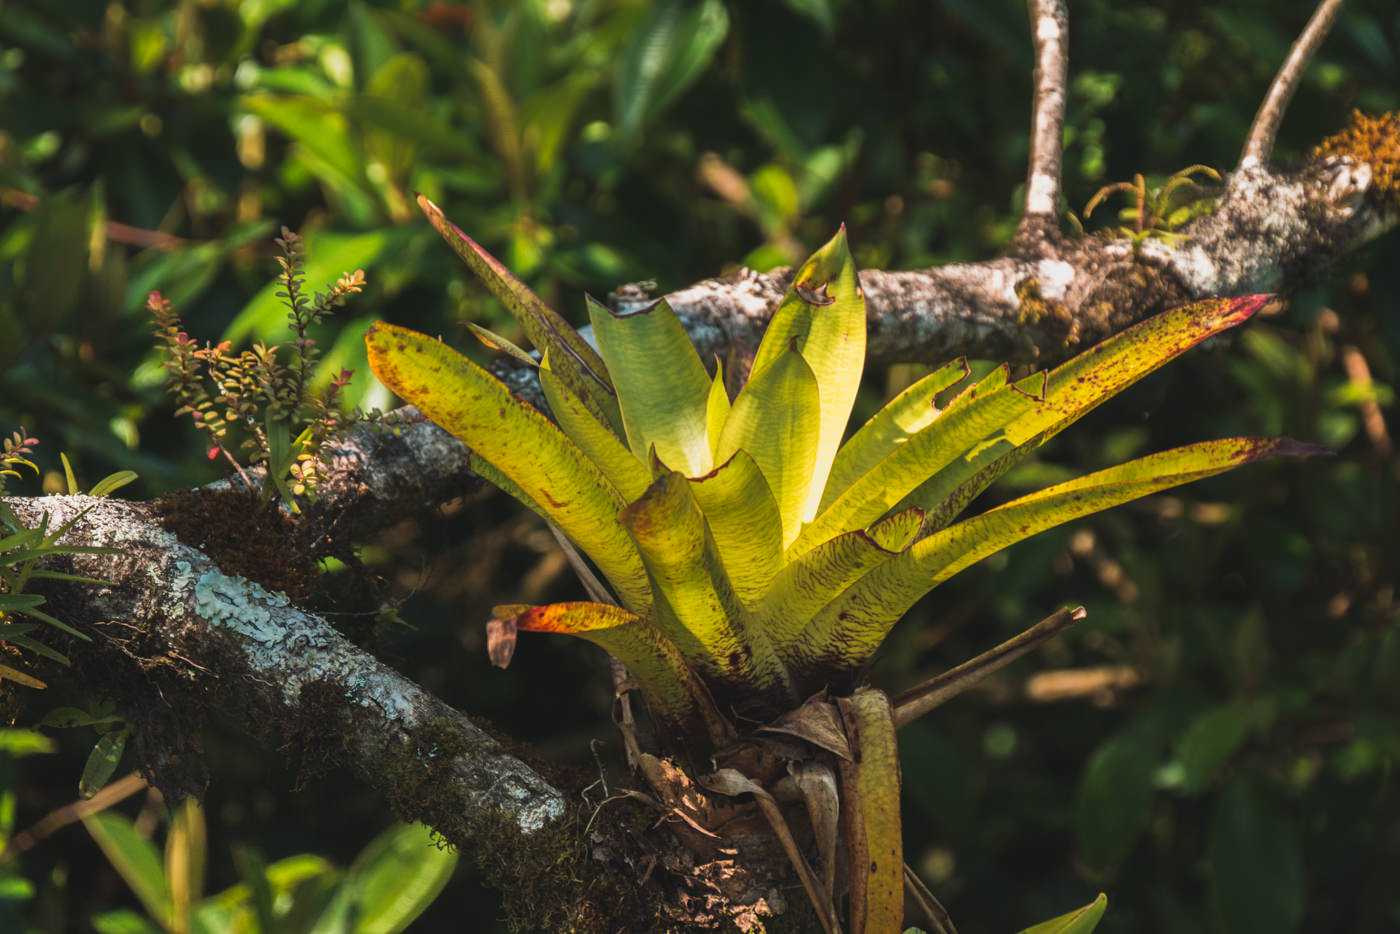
1158,212
263,400
21,547
752,563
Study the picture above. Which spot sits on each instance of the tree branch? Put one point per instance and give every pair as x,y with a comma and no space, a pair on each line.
1050,36
1270,230
1259,145
284,672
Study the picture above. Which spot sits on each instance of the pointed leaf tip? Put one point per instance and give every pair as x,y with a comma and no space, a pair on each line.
1244,307
1288,447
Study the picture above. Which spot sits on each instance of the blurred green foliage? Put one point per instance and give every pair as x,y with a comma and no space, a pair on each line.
1217,744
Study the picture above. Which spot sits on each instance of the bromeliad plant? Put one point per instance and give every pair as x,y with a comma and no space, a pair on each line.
753,558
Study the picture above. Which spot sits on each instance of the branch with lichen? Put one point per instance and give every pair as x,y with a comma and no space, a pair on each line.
1270,230
281,669
1259,143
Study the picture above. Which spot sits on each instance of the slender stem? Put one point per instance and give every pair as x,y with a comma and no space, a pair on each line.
1050,35
56,820
914,703
1260,142
932,908
826,914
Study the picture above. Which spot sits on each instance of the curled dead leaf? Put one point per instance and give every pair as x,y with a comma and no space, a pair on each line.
500,641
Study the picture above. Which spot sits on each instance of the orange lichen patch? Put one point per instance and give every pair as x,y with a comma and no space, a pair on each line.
1374,140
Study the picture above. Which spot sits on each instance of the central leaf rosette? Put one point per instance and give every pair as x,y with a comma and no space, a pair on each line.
754,557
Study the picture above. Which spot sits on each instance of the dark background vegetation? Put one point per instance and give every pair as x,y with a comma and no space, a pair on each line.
1225,760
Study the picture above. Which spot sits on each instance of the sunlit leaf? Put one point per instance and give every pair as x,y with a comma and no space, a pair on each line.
668,50
822,318
597,441
662,387
575,360
397,876
478,409
899,420
186,847
1081,921
698,611
134,858
771,421
743,517
865,612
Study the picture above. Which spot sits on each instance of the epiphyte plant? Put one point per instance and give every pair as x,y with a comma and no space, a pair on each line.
286,420
1158,212
753,559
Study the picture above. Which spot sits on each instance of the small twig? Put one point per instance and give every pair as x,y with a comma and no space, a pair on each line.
56,820
596,591
930,905
914,703
622,681
1050,35
1359,374
1260,142
116,232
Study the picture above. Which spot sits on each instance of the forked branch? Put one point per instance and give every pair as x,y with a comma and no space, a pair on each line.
1260,143
1050,36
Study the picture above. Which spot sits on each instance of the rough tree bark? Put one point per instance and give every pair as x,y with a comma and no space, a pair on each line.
176,634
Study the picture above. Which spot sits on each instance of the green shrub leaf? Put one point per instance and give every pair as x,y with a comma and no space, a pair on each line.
134,858
397,876
1082,921
1256,865
1115,798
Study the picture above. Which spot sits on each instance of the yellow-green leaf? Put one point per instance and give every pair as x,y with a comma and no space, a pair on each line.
135,859
1081,921
901,418
716,409
185,850
870,797
819,576
697,607
1072,390
517,440
822,317
773,421
575,360
493,341
622,468
396,877
663,389
965,428
743,518
845,633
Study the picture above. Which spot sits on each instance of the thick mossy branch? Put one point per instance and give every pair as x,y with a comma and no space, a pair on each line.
284,672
